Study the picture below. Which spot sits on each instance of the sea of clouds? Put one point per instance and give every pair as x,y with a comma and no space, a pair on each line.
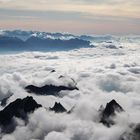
100,73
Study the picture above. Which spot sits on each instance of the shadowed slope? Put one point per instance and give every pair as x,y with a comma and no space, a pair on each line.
58,108
109,112
19,108
48,89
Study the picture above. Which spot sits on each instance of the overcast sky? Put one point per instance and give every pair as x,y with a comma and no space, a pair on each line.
74,16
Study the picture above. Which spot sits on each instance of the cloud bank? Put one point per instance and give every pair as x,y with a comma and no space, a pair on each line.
101,74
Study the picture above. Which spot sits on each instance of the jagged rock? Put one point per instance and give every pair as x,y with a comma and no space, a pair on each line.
110,110
19,108
58,108
48,89
53,71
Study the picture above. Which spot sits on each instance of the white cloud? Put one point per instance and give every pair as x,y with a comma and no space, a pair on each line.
5,1
97,81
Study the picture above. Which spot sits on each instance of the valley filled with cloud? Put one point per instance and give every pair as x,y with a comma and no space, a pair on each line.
84,80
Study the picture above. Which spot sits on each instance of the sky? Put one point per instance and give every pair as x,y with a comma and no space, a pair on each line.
73,16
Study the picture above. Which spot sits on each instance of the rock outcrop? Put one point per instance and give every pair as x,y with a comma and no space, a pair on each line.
20,109
110,110
58,108
48,89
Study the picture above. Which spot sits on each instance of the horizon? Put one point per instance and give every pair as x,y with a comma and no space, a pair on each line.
71,33
77,17
70,69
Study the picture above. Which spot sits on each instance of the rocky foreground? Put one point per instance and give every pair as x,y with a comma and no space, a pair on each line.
21,108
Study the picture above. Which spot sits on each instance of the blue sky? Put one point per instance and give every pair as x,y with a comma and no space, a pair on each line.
75,16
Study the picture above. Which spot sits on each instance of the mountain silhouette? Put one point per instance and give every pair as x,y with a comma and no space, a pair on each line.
110,110
18,108
58,108
48,89
36,44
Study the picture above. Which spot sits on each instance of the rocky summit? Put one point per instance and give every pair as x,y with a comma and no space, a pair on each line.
110,110
18,108
58,108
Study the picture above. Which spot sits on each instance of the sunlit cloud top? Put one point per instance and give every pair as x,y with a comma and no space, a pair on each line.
80,16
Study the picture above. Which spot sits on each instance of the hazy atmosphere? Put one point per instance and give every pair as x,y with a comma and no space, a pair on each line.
69,70
80,16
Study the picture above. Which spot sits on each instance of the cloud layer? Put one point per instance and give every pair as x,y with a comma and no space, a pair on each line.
101,74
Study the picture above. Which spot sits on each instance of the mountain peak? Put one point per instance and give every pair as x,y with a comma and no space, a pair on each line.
58,108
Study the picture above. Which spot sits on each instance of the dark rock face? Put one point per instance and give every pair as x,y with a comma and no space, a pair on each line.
19,108
109,112
58,108
48,89
53,71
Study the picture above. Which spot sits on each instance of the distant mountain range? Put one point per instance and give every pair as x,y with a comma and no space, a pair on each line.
35,41
24,35
18,40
